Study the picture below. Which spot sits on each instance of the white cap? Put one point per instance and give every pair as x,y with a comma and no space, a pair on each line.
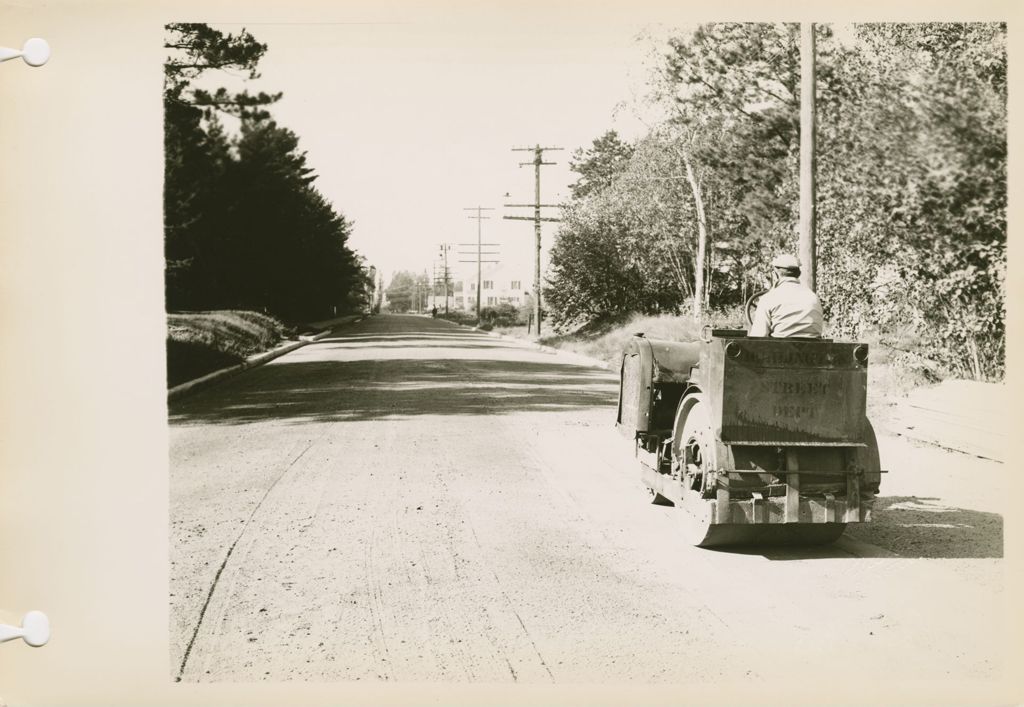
785,260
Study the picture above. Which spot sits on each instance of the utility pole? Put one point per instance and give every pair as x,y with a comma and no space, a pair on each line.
445,247
808,188
433,285
538,162
479,252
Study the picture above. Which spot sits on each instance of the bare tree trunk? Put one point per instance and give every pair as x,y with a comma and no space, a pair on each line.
677,271
743,279
702,239
708,274
975,360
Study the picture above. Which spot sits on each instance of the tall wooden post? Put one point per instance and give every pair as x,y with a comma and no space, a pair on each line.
536,230
808,188
446,278
538,162
480,252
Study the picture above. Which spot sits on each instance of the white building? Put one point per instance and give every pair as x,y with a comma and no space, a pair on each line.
500,285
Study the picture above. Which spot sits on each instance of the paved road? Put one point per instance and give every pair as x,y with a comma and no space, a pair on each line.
407,500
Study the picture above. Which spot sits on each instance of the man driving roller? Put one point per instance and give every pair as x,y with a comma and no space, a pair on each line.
789,308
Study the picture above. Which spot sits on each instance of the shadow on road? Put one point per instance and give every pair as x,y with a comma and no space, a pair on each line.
911,527
396,366
328,391
460,339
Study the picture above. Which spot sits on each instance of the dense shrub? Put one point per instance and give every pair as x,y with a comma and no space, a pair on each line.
458,317
502,315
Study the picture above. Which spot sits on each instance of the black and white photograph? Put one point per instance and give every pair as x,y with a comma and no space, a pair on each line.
508,353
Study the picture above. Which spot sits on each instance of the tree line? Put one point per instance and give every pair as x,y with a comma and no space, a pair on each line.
244,227
911,171
408,290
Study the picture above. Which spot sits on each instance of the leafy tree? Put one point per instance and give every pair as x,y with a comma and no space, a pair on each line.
619,248
911,186
706,195
598,164
912,224
402,290
730,93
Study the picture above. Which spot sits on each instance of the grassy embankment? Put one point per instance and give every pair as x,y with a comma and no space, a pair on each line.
888,380
202,342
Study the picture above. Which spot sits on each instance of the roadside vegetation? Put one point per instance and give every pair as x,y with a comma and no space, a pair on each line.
911,223
605,339
201,342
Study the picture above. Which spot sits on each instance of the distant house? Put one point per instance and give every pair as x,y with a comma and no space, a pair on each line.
499,285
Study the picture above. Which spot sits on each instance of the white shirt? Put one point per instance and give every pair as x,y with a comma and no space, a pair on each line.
788,309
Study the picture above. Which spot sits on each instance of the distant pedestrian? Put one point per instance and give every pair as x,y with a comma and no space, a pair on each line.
789,308
433,311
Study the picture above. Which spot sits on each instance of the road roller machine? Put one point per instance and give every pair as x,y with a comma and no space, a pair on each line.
757,441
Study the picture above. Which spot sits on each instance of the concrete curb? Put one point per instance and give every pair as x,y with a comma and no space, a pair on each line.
314,337
328,324
251,362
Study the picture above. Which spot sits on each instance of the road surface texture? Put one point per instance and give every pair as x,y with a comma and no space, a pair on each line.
408,500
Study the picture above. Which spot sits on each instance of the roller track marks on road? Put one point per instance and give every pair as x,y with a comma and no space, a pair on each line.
227,557
519,619
378,607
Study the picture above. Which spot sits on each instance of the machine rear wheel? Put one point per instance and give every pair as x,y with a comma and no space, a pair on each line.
763,535
696,528
695,452
693,448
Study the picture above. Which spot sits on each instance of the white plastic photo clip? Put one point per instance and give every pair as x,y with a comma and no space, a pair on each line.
36,52
34,630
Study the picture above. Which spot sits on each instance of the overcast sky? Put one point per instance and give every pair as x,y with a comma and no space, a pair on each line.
408,121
